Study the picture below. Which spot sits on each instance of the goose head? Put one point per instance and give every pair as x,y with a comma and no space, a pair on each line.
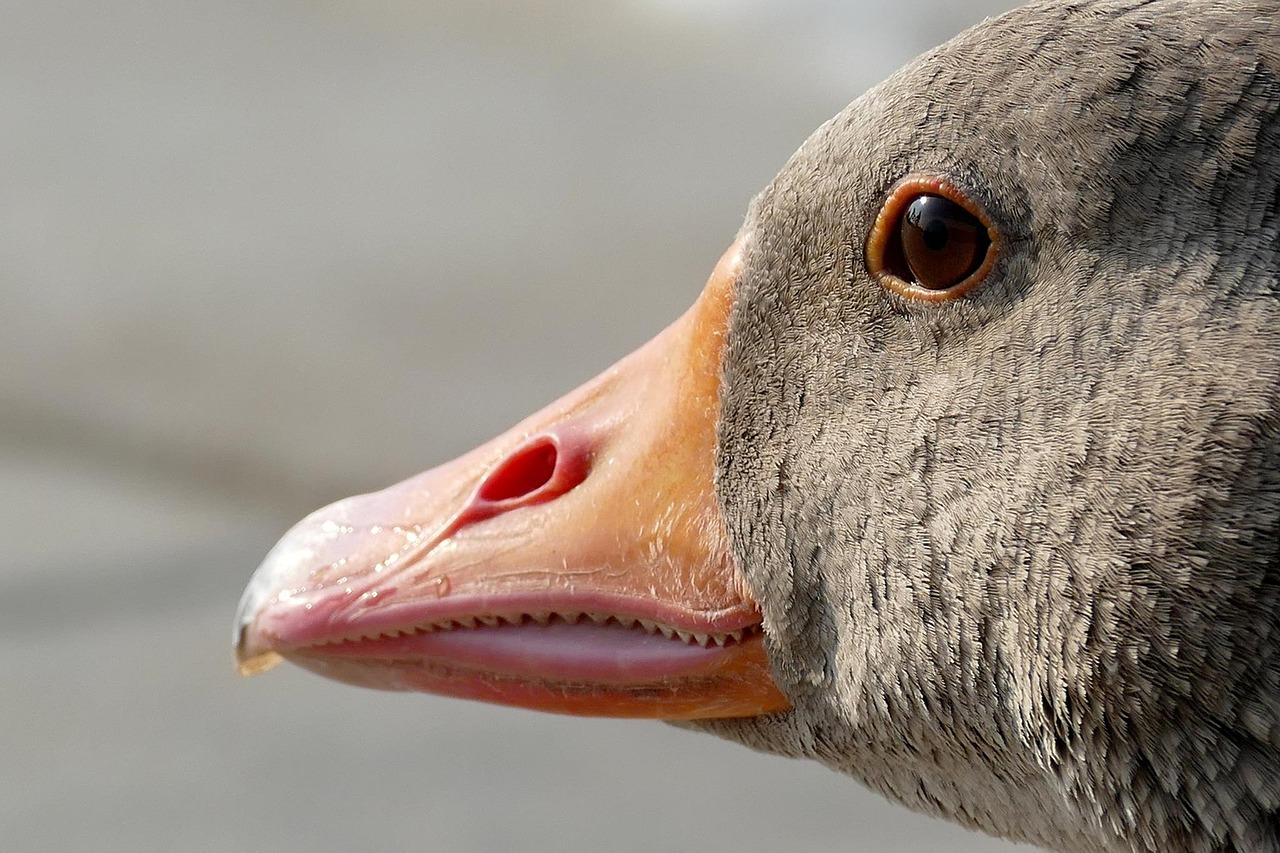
962,476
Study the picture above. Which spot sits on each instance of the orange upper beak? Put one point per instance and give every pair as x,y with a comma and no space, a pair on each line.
577,563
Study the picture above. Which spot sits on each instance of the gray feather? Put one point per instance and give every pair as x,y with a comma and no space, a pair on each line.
1017,553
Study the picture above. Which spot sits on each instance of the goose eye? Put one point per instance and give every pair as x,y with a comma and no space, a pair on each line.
942,243
930,242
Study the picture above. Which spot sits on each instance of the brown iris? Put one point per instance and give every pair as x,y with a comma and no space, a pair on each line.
930,242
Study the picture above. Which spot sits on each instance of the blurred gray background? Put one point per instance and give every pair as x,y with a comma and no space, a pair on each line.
260,255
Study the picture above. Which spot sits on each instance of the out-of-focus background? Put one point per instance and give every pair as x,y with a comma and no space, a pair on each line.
255,256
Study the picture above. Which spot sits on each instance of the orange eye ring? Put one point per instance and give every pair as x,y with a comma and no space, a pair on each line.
888,261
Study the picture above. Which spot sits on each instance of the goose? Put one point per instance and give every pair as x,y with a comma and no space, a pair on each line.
961,476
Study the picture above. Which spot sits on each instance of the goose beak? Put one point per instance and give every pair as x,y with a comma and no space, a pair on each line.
577,563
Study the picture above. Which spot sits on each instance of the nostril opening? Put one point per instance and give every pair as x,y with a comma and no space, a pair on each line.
541,470
523,473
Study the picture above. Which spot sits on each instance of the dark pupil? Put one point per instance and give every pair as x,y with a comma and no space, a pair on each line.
935,233
942,243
